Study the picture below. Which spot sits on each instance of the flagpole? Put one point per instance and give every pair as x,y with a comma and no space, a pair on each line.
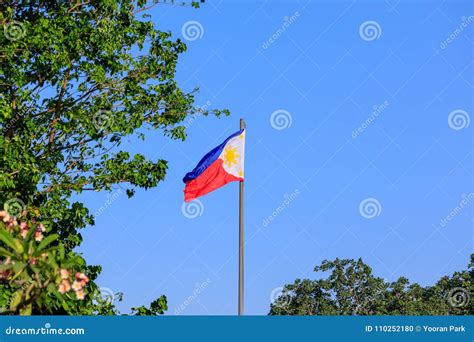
241,239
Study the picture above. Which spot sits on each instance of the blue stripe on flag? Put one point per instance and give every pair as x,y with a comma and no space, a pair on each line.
208,159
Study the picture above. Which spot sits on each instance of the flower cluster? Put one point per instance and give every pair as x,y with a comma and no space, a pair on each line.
11,222
80,280
39,230
23,229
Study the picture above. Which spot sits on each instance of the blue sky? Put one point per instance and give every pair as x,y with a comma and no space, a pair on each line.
371,104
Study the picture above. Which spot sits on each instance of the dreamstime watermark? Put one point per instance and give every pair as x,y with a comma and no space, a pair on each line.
277,299
369,300
287,21
281,119
23,287
46,330
14,207
11,124
377,110
465,22
107,294
370,30
103,120
205,106
111,198
199,288
458,297
200,109
192,30
14,30
458,119
192,209
457,209
288,198
370,208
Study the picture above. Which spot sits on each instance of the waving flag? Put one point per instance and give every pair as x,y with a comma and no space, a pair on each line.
223,164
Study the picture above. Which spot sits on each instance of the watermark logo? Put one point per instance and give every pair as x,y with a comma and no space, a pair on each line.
47,329
11,124
465,22
199,111
277,299
288,198
370,30
103,120
14,207
192,30
192,209
14,30
458,297
287,21
377,110
8,303
107,294
461,205
458,119
199,288
281,119
111,198
370,208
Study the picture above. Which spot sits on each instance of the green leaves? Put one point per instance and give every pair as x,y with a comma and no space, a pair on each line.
351,289
85,78
32,263
5,253
46,242
78,82
10,241
157,307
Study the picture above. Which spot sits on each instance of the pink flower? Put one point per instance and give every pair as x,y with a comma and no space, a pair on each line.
38,236
40,227
82,277
24,228
76,285
4,216
80,294
64,286
64,273
24,233
11,222
4,274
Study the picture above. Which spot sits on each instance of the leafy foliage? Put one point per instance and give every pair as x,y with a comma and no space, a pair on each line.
351,289
77,78
36,269
157,307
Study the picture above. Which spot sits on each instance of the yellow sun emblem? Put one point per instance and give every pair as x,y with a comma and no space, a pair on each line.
231,157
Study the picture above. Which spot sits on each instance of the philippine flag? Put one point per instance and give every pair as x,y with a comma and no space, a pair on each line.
223,164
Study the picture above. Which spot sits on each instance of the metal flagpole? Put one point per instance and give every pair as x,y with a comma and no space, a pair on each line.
241,240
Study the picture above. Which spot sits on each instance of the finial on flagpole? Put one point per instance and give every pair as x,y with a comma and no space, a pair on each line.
242,123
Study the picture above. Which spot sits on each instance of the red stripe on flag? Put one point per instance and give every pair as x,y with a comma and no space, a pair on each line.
211,179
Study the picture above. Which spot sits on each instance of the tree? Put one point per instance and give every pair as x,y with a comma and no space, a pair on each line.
76,78
157,307
351,289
